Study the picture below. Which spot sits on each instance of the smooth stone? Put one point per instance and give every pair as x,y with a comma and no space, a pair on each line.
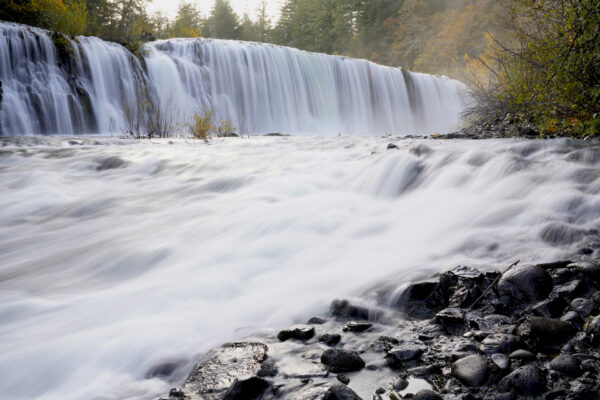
545,333
340,392
584,307
357,326
471,370
572,317
501,361
528,380
343,378
400,384
248,389
298,332
521,355
342,360
593,330
330,339
316,321
529,283
566,364
500,343
406,352
427,395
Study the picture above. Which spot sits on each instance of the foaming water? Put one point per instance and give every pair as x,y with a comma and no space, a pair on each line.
118,256
86,85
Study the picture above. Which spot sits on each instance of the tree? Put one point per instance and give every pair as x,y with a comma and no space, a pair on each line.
187,23
222,22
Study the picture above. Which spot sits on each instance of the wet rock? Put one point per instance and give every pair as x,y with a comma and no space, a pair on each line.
112,162
525,284
500,343
267,368
423,299
545,333
316,321
528,380
400,383
342,360
566,364
500,360
391,146
298,332
593,331
572,317
214,375
340,392
584,307
248,389
570,289
550,308
471,370
343,378
452,320
357,326
176,394
521,355
404,352
427,395
330,339
343,309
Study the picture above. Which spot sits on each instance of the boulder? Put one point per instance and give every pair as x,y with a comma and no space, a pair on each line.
339,360
471,370
566,364
528,381
525,284
404,352
545,333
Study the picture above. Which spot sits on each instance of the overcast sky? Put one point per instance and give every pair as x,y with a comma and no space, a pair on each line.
239,6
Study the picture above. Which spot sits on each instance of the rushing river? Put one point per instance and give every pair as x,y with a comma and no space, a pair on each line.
117,256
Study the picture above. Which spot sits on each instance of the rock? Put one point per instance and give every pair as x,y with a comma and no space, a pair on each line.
500,360
500,343
584,307
528,380
111,163
340,392
342,360
566,364
316,321
521,355
357,326
426,395
176,394
248,389
215,374
452,320
298,332
343,309
545,333
550,308
593,330
330,339
343,378
471,370
404,352
570,289
572,317
400,383
525,284
423,299
391,146
267,368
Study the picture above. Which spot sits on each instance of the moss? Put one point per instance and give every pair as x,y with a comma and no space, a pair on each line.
63,47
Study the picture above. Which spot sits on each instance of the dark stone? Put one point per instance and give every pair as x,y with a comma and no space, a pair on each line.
452,320
423,299
572,317
404,352
427,395
299,332
316,321
342,360
176,394
383,344
247,389
593,331
391,146
528,380
570,289
343,378
554,264
400,383
521,355
471,370
357,326
584,307
267,368
340,392
566,364
330,339
545,333
500,343
550,308
525,284
501,361
343,309
164,370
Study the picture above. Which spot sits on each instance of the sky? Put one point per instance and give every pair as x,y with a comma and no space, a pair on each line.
239,6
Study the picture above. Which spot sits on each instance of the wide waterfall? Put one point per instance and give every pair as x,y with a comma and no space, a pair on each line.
54,85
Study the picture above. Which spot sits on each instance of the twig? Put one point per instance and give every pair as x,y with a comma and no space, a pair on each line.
492,284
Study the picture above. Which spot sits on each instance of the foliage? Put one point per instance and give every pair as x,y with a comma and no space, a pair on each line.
225,128
550,75
222,22
202,124
67,16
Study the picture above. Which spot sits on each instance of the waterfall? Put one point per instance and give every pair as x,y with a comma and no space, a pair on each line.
56,85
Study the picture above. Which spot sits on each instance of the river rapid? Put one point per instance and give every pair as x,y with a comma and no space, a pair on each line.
117,256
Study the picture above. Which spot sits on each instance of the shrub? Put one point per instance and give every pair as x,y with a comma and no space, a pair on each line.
202,125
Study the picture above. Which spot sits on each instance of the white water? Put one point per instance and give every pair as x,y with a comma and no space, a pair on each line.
260,88
107,273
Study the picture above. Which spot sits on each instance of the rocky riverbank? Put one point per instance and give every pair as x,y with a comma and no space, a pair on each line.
530,331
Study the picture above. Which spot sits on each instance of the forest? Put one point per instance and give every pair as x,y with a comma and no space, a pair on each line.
537,60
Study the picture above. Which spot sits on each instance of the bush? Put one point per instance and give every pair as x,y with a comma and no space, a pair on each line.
202,125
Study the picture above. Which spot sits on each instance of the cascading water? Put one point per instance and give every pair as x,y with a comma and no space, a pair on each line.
88,85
